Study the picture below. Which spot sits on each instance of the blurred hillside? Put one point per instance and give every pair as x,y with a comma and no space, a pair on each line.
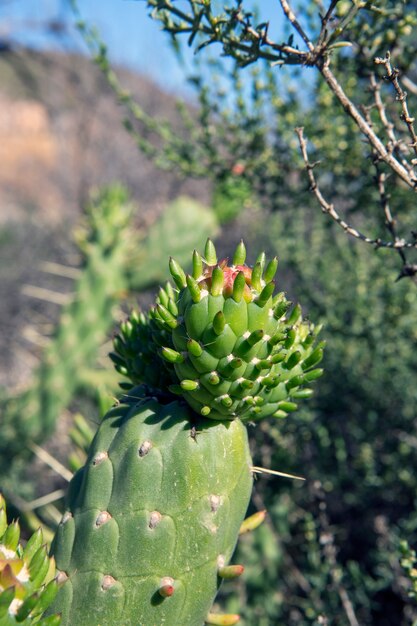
61,135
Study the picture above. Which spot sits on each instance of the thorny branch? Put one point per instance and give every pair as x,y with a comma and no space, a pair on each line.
394,145
330,209
380,175
392,75
246,41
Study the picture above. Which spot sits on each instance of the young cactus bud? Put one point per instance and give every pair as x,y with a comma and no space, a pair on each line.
228,321
177,273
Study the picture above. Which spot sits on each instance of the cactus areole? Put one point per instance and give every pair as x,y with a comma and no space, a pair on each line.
154,516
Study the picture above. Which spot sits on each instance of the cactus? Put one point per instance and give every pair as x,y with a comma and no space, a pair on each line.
153,517
27,583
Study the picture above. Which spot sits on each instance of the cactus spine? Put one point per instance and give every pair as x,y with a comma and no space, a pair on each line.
153,517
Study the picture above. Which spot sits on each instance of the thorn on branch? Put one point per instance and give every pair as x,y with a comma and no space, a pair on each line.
408,270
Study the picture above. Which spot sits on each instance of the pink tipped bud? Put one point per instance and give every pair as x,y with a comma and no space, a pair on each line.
231,571
166,589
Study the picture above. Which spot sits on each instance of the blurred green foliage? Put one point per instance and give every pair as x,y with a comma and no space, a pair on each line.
356,443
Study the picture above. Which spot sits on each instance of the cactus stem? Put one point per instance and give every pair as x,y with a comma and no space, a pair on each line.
252,522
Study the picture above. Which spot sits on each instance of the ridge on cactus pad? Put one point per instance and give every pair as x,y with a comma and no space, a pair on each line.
153,517
27,584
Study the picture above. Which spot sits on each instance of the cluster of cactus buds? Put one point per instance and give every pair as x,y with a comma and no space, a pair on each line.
237,349
27,583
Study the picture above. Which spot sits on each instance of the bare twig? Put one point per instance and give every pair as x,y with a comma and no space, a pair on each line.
290,15
392,75
395,145
380,176
329,208
374,140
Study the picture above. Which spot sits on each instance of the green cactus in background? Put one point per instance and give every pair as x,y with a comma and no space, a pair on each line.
84,323
27,583
110,248
153,517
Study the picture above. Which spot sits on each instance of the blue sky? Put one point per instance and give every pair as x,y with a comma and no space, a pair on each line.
133,39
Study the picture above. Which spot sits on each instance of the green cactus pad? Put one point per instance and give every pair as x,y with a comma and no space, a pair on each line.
153,517
236,350
27,584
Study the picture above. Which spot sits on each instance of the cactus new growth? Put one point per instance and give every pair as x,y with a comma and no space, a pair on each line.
153,517
27,584
236,354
